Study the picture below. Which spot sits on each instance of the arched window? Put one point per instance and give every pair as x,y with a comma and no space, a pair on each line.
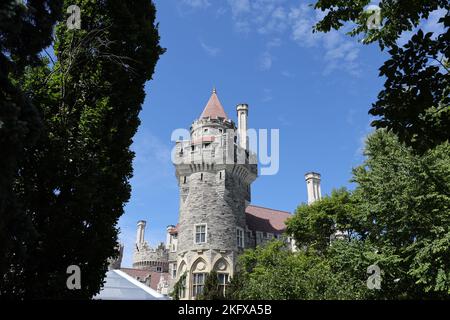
198,276
198,283
223,278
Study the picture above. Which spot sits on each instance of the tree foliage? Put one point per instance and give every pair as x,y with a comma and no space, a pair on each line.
397,218
179,287
405,201
314,225
25,30
396,16
211,290
274,273
74,182
414,102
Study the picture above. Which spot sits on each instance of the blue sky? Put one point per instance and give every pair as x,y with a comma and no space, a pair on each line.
315,88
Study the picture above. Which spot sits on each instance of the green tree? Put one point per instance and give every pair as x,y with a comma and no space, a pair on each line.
352,260
74,182
211,291
179,288
272,272
315,228
236,286
314,225
414,102
405,202
25,30
397,218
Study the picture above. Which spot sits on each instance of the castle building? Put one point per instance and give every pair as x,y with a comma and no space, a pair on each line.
215,170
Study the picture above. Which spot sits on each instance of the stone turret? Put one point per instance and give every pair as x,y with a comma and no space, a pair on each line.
146,257
214,175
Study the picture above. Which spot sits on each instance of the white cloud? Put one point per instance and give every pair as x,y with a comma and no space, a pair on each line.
287,74
342,56
210,50
273,22
339,53
239,6
152,162
196,4
275,18
301,20
221,11
267,95
265,61
242,26
276,42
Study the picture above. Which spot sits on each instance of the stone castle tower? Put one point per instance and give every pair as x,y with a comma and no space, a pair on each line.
215,171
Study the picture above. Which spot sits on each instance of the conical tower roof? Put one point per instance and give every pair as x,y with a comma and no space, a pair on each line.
214,108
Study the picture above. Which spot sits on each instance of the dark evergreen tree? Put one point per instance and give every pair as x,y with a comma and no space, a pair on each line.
74,182
25,30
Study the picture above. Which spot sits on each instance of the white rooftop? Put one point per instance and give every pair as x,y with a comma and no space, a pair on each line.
120,286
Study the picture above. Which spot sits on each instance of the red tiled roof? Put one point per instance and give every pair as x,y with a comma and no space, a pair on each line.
135,273
155,279
261,219
265,219
214,108
143,274
174,230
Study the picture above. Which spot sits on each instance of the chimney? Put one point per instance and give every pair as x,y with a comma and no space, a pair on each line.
169,236
242,113
313,186
140,231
